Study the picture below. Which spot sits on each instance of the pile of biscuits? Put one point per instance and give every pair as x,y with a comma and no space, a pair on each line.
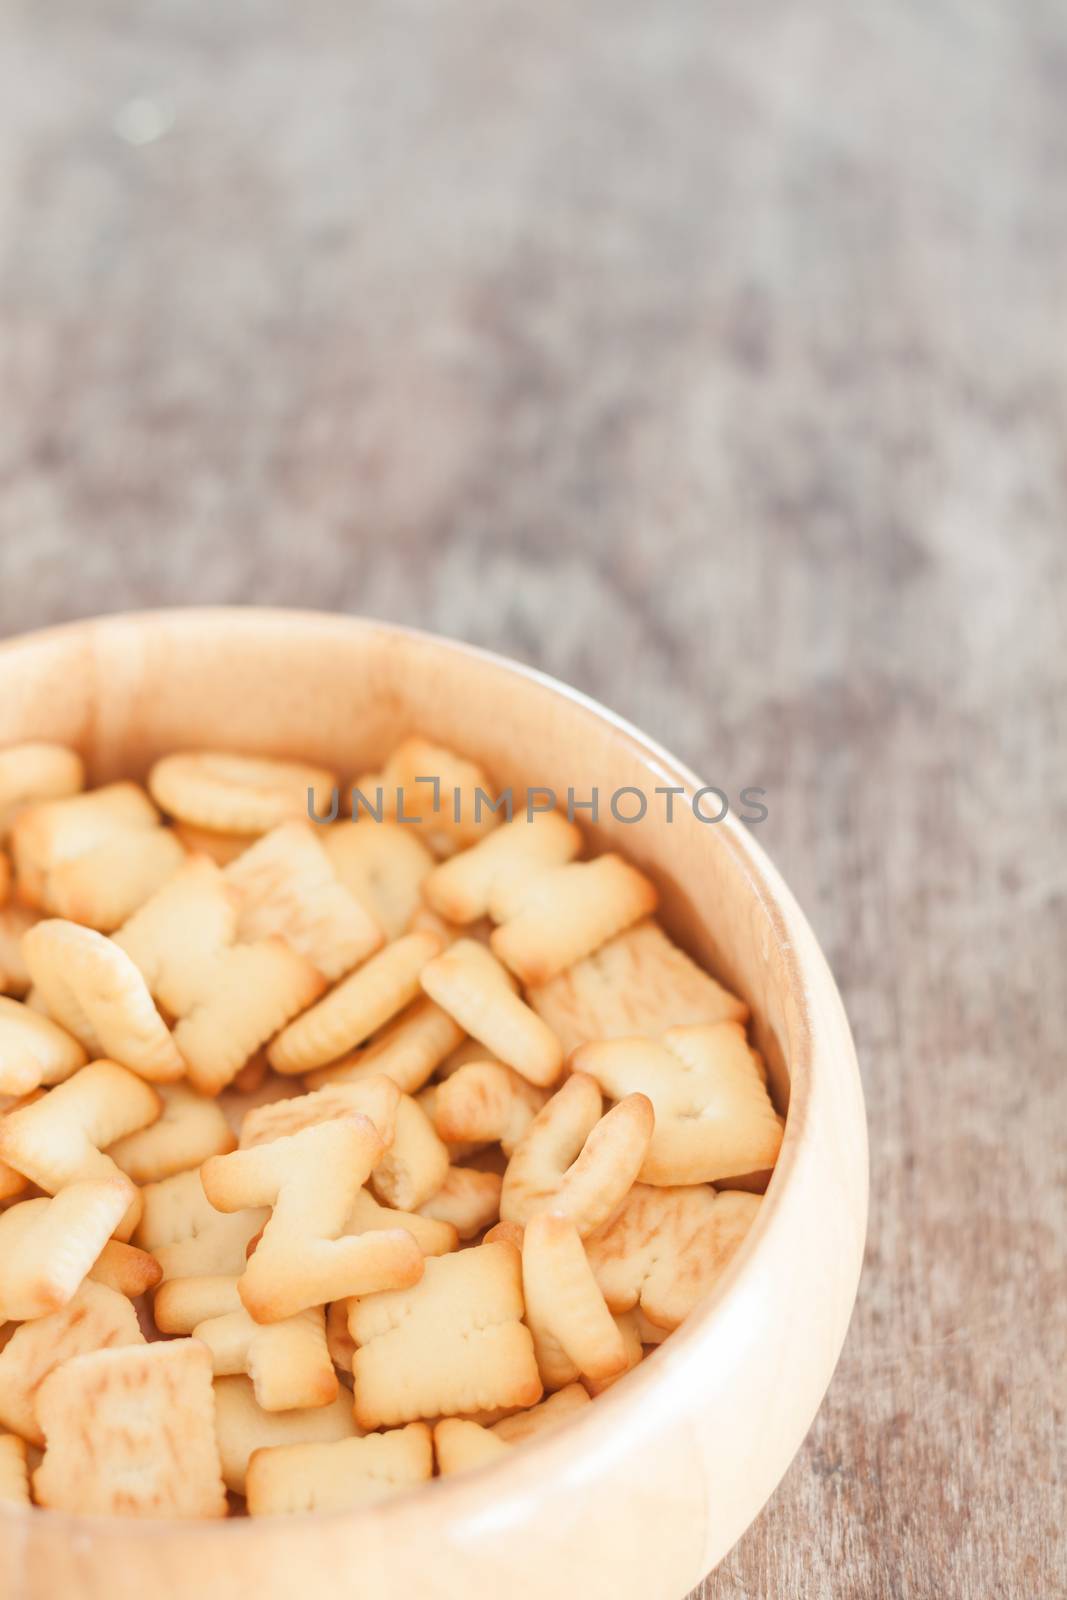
337,1156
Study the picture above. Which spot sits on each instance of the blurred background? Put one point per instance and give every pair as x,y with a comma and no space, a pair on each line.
710,355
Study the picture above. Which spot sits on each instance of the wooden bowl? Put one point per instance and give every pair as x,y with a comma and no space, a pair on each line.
650,1487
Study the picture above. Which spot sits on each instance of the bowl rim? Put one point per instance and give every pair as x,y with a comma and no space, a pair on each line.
784,919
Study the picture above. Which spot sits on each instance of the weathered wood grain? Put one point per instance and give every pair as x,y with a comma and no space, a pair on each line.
710,356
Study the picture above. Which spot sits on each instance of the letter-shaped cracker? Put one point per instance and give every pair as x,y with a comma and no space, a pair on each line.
468,1199
36,771
472,986
568,912
311,1180
407,1050
95,857
243,1426
714,1118
34,1049
484,1102
47,1247
230,793
415,1165
14,1472
288,1362
574,1332
461,889
376,1098
383,865
457,820
93,1319
359,1005
635,986
187,1236
289,888
575,1161
190,1128
92,988
60,1138
228,998
132,1431
452,1344
337,1477
666,1247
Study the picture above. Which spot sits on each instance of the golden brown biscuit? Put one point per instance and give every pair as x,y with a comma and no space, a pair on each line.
34,1050
132,1431
290,889
339,1476
92,988
575,1161
375,1097
437,793
406,1050
714,1118
93,858
468,1199
230,793
360,1004
574,1332
452,1344
61,1138
228,998
311,1180
190,1128
36,771
188,1236
288,1362
472,986
415,1164
383,865
485,1102
95,1318
561,916
665,1248
638,984
461,889
48,1246
126,1269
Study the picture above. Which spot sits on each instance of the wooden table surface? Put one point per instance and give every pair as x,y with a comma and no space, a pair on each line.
712,356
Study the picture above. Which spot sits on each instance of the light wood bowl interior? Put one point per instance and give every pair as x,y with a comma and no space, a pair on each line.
650,1487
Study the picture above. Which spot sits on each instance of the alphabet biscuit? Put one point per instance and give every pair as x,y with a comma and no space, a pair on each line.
289,888
230,793
638,984
468,983
131,1431
453,1343
714,1118
95,1318
383,866
341,1475
666,1247
360,1004
34,1050
576,1161
566,913
310,1179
